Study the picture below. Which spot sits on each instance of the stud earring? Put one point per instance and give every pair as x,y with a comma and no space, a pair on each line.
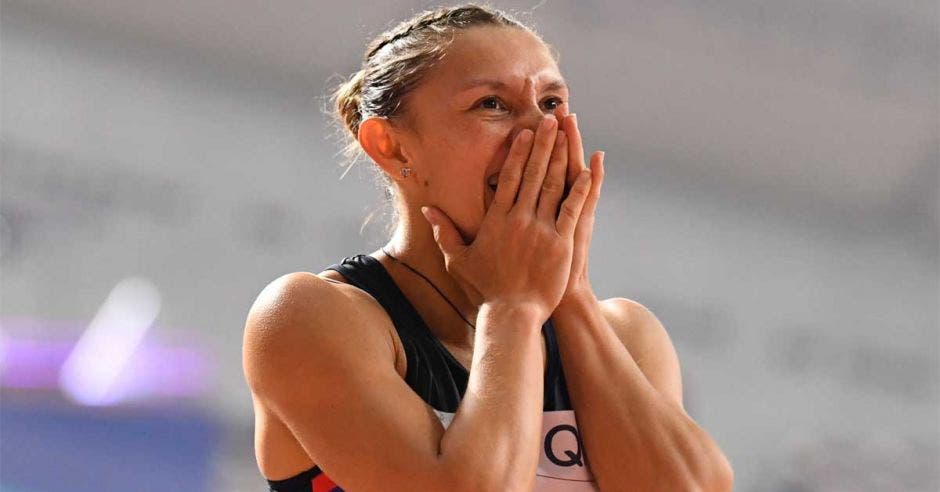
406,171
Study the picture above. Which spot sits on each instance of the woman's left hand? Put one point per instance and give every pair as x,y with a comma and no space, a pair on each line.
578,283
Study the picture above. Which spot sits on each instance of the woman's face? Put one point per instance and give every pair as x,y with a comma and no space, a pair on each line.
492,83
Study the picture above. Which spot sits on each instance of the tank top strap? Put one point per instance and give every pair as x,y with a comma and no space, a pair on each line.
366,273
433,373
432,370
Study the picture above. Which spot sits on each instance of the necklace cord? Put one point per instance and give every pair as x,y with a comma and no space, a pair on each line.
432,285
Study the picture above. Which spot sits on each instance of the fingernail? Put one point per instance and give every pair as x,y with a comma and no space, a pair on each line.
574,117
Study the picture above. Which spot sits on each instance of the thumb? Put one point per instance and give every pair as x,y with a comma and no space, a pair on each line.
445,233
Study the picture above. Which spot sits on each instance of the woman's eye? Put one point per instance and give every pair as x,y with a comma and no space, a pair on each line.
493,102
486,103
557,100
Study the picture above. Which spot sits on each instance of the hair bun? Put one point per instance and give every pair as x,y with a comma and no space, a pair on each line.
349,100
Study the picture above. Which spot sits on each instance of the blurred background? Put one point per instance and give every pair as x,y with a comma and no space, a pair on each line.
771,194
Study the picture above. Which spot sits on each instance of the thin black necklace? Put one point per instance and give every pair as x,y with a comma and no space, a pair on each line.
432,285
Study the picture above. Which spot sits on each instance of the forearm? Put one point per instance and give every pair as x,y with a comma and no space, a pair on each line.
496,428
634,438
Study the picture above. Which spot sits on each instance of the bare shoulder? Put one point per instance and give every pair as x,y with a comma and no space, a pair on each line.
648,342
321,371
300,314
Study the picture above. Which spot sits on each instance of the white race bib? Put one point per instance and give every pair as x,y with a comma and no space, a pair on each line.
562,465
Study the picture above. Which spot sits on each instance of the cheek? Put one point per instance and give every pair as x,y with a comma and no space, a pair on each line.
480,145
463,154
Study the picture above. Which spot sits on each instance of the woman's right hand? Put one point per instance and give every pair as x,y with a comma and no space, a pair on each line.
523,250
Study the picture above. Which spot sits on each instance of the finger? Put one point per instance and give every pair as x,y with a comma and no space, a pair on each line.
445,233
534,172
511,173
571,207
575,148
554,185
597,171
585,225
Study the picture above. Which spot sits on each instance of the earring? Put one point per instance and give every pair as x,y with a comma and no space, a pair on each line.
406,171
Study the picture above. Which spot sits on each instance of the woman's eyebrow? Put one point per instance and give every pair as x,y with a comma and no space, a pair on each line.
552,85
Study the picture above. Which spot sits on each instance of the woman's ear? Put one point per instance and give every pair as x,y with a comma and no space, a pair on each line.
381,144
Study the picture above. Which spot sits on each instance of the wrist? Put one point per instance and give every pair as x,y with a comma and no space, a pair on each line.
524,313
578,295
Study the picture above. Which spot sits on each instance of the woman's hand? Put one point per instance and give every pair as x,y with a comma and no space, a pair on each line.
523,250
578,282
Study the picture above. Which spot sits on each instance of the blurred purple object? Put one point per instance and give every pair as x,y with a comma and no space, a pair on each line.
155,371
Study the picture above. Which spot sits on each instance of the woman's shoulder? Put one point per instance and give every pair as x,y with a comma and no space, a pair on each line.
302,312
324,296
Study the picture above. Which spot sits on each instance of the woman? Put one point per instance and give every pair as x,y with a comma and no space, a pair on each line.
436,362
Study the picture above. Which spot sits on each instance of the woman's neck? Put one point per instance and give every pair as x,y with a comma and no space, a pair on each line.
413,243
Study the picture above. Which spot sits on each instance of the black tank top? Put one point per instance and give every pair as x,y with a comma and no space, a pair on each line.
440,380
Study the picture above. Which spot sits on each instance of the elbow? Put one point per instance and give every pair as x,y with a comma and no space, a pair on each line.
720,483
480,483
475,477
476,482
485,480
710,470
706,473
725,478
489,483
719,477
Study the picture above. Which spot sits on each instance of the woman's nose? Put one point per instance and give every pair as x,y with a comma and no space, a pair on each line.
532,119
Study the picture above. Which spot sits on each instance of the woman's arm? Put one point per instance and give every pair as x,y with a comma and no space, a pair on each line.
500,416
322,363
637,437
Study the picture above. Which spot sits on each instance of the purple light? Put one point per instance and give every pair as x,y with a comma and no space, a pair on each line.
33,364
155,371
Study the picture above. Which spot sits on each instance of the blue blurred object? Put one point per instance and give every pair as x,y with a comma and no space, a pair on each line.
51,447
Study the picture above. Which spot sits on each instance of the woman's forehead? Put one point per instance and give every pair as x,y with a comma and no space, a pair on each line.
497,55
